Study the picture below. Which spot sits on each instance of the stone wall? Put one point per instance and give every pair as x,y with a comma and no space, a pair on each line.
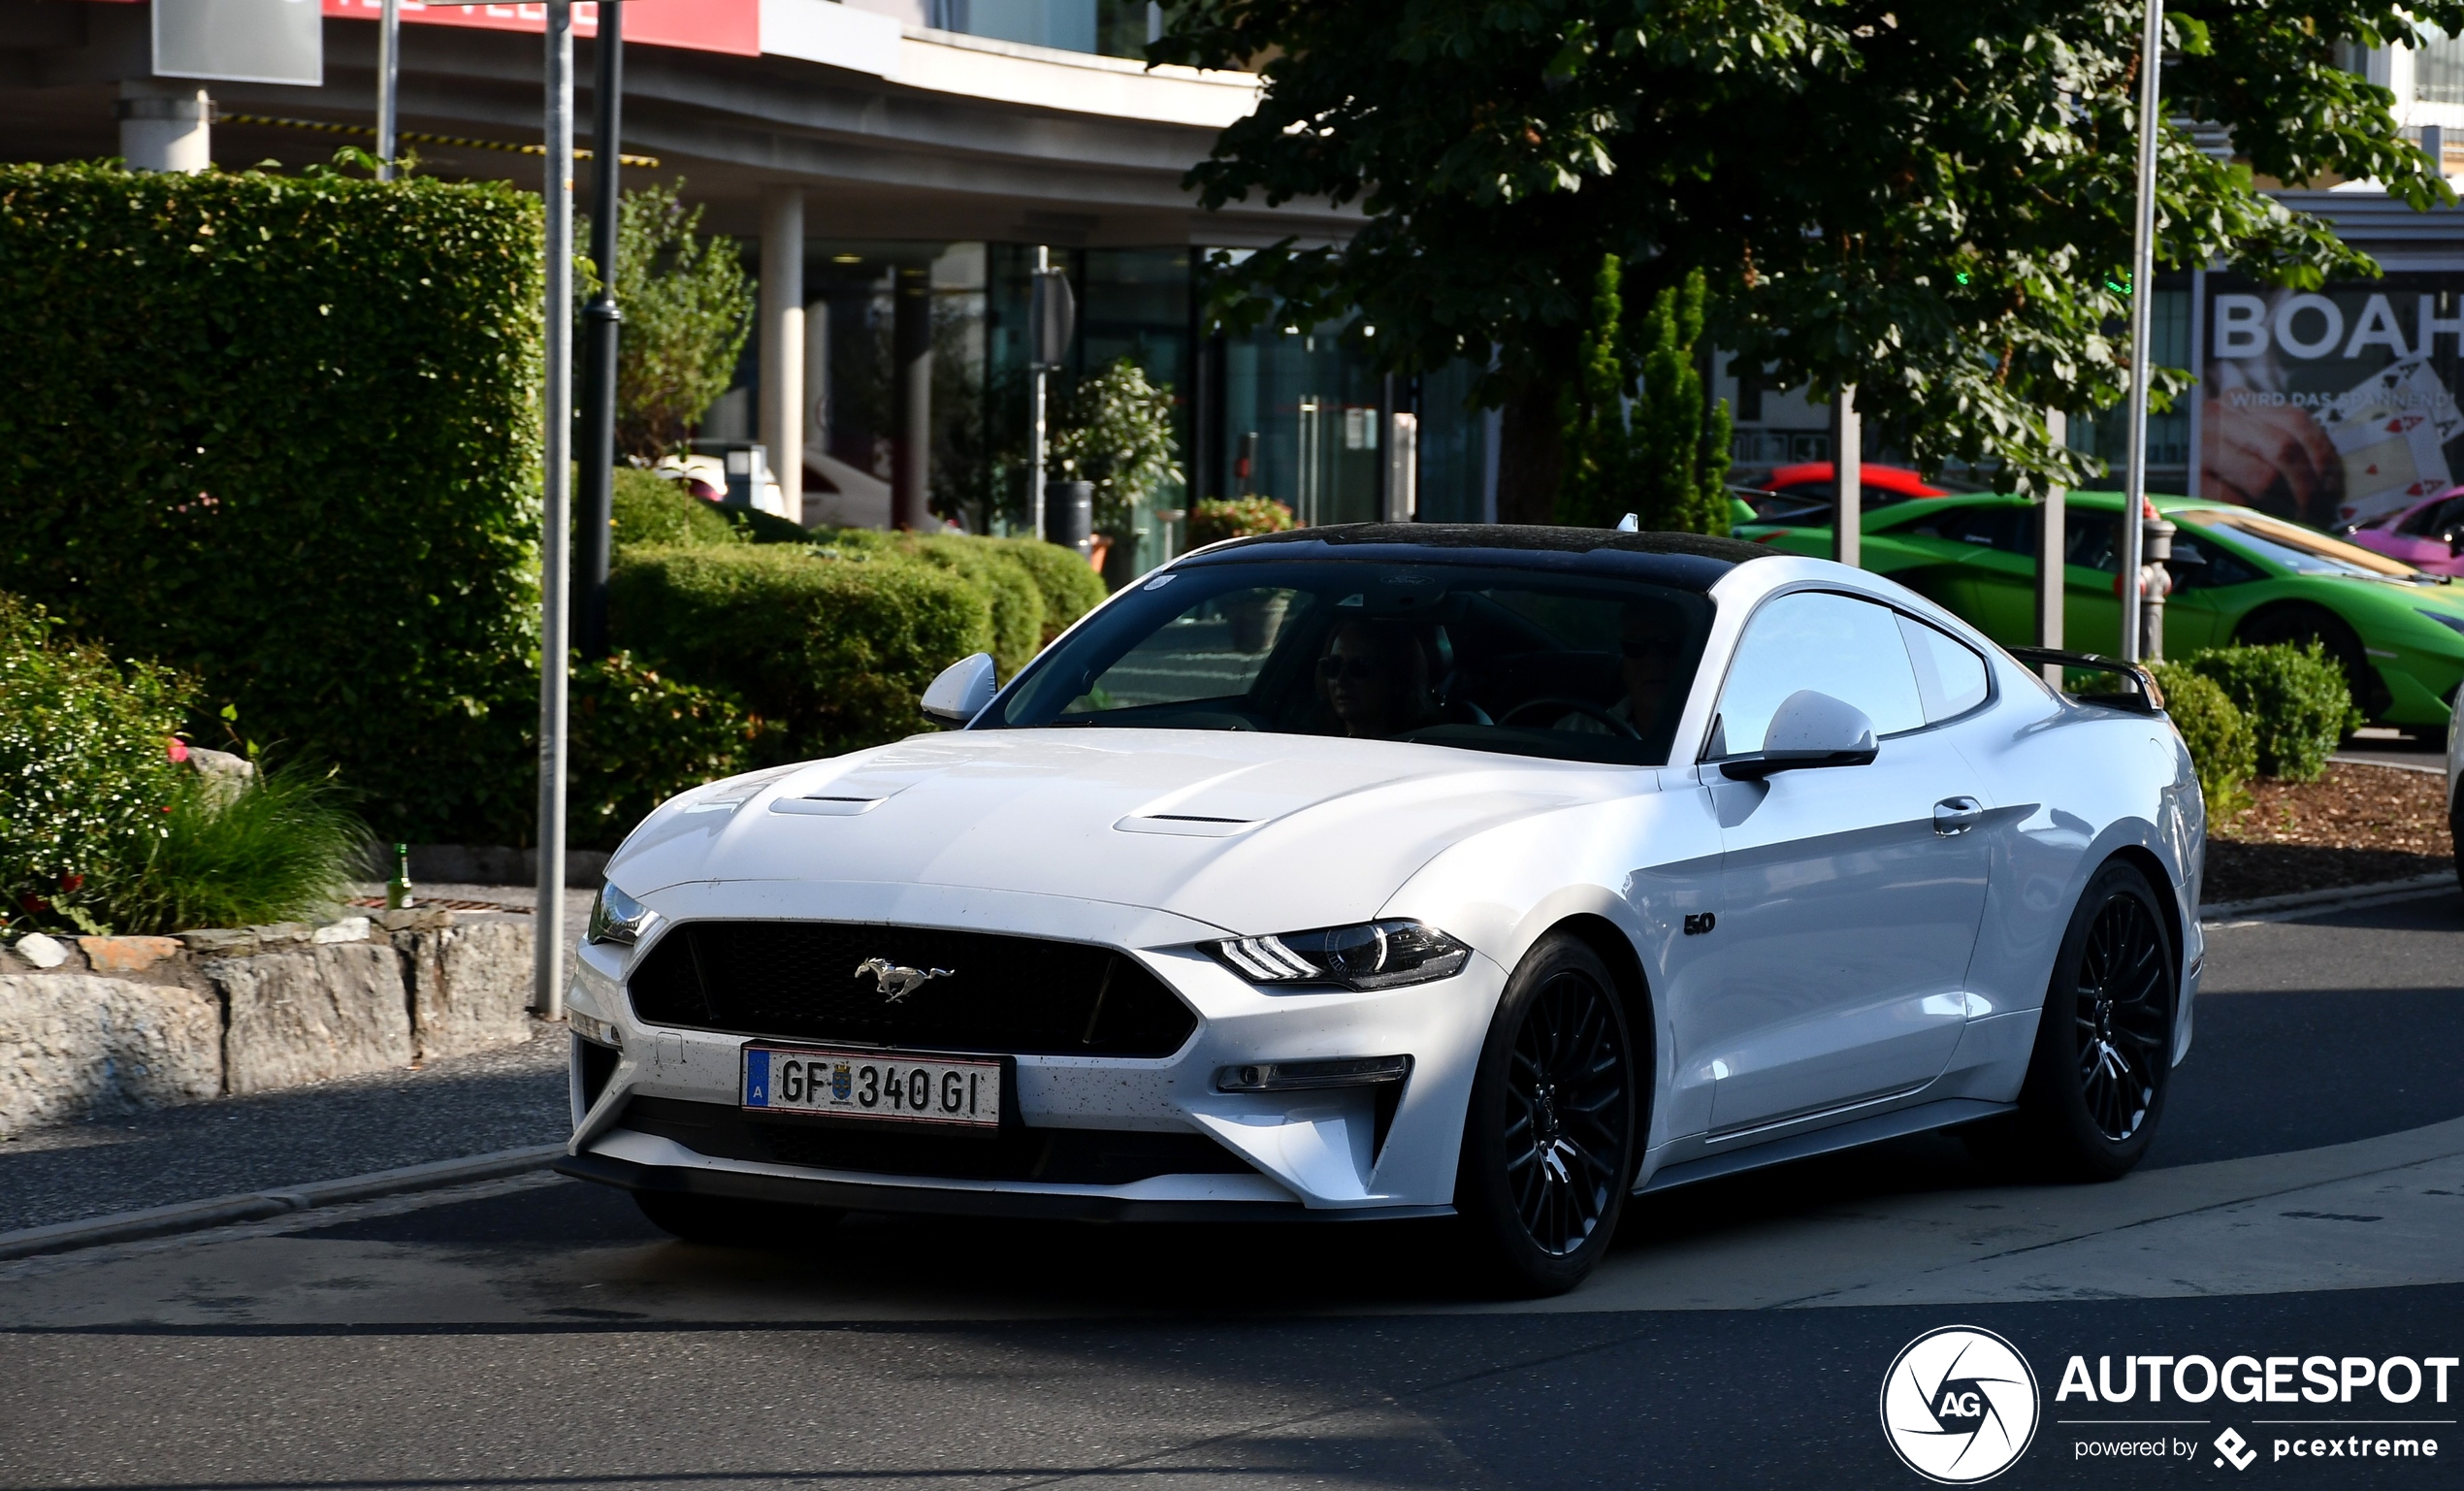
239,1010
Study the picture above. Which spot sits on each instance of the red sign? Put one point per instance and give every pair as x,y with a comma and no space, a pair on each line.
732,26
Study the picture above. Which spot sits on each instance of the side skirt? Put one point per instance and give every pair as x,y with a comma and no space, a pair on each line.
1943,1113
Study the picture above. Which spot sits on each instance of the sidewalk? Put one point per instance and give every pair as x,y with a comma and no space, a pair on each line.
464,1105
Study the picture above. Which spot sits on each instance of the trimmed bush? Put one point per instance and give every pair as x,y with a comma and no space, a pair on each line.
281,849
86,771
282,433
648,511
992,567
1070,585
2295,699
638,739
833,648
2223,746
1213,519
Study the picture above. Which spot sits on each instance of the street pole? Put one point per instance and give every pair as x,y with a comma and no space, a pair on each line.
2052,530
1035,391
547,939
599,388
1848,477
389,62
2142,297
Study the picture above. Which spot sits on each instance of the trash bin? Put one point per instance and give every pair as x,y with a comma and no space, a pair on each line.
1069,514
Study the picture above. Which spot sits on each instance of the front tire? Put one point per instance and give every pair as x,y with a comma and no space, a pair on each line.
1550,1138
2104,1047
730,1222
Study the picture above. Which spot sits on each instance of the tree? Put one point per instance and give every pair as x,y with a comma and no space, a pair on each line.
688,307
1931,200
1637,437
1116,430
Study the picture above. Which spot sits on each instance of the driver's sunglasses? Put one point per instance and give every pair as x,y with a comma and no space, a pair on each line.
1333,668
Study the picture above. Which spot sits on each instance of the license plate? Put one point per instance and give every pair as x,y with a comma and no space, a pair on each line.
869,1085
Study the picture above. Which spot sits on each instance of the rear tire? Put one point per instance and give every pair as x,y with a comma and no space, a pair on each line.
2104,1046
1550,1138
730,1222
2302,625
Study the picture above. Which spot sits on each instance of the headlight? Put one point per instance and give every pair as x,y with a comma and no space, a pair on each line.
1370,954
616,917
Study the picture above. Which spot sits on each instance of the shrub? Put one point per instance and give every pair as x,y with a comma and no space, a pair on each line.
1213,519
2295,699
994,571
688,308
649,512
282,433
84,770
833,648
1070,585
1115,430
2223,746
638,739
284,848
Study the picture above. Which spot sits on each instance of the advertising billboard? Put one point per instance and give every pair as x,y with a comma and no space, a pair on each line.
2336,406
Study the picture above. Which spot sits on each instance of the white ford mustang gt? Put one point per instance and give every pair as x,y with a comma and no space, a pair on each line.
1405,871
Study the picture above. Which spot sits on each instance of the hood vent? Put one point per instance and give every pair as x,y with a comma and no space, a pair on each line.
1194,826
822,806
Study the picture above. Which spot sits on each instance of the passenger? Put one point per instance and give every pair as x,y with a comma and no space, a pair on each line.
1376,676
1650,641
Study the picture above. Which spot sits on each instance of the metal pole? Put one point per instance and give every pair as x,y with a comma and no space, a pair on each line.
2142,295
1848,478
2053,527
389,62
1035,394
599,386
547,969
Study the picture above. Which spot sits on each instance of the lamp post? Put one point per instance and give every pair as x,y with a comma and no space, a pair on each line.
600,318
548,988
2142,295
1035,391
389,65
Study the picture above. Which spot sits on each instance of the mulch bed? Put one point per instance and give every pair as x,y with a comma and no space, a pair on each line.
2356,825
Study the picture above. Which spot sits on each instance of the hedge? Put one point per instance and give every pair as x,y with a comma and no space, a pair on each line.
832,648
85,770
1070,585
2297,698
282,433
2222,747
637,737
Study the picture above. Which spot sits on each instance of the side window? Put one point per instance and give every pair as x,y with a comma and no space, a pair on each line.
1847,648
2088,539
1950,678
2008,530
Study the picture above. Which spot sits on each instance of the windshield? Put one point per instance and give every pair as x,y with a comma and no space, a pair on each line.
2297,548
1579,668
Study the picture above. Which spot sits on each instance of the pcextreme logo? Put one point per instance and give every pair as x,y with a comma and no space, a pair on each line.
1960,1404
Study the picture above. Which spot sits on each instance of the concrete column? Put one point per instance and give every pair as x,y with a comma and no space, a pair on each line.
165,129
911,347
2052,539
782,334
1847,466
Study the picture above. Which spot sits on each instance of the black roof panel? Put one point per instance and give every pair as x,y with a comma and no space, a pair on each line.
1695,561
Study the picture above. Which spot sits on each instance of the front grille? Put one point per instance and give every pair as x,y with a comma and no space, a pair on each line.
1060,1157
799,980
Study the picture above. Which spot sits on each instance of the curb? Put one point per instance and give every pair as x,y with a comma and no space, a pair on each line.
2333,899
2367,761
258,1205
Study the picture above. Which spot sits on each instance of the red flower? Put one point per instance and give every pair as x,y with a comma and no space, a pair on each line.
34,903
179,749
71,884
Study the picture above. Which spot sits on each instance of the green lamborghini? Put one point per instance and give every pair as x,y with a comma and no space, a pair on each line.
2238,575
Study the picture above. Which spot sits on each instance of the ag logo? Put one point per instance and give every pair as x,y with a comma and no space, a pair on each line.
1960,1404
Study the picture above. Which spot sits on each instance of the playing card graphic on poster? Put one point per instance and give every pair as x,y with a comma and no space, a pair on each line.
2332,408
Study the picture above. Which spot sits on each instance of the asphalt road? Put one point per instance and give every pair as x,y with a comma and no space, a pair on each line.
2304,1198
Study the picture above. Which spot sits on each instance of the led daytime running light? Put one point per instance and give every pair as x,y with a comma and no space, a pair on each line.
1364,956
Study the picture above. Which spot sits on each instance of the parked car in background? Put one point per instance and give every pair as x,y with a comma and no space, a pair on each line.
1806,488
2428,535
2239,576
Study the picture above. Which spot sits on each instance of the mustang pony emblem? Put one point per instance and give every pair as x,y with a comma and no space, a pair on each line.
894,982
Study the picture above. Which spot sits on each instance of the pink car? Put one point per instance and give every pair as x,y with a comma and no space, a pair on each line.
2427,535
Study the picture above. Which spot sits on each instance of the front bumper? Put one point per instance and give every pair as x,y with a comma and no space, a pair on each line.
1314,1153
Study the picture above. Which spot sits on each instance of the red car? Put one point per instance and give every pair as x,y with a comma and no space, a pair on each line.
1793,492
2426,535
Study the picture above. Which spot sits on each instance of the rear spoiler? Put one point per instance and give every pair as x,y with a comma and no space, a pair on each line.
2140,696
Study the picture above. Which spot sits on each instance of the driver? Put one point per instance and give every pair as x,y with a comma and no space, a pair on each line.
1375,675
1651,636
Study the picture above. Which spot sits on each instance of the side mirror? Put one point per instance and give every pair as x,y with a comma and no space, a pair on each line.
1809,729
962,691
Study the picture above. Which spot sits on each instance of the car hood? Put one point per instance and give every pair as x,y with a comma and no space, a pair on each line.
1251,832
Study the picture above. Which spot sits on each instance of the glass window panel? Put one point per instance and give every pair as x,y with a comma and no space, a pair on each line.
1833,644
1950,677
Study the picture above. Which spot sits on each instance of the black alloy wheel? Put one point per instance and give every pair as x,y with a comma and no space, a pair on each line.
1549,1146
2104,1048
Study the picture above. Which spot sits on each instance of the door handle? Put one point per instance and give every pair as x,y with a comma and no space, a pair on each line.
1954,816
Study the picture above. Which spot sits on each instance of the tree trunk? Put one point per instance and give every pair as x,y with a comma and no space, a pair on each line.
1531,455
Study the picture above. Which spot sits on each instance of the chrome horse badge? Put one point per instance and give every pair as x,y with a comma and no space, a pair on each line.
894,982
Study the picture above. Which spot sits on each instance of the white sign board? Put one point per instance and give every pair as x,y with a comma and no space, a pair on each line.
240,41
